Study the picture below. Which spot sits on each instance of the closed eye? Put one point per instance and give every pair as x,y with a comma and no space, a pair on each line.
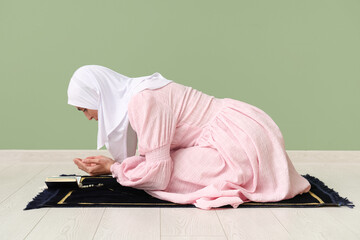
81,109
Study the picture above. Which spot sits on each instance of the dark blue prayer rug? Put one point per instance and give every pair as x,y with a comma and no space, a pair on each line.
104,191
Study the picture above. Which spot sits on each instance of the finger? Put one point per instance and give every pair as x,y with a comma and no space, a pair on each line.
91,161
82,163
77,161
79,164
94,171
82,166
95,157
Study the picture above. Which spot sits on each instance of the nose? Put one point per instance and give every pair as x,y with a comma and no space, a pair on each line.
87,116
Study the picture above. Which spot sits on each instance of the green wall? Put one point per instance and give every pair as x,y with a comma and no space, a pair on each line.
299,61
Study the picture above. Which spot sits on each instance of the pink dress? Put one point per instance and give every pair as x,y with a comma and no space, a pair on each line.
197,149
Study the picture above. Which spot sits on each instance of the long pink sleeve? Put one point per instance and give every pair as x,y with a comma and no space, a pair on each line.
153,123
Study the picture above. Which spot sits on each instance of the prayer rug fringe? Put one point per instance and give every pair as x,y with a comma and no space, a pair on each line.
335,197
42,198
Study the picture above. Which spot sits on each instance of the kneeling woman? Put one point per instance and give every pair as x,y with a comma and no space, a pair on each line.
193,148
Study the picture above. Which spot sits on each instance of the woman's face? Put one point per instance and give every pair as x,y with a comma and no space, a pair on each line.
89,113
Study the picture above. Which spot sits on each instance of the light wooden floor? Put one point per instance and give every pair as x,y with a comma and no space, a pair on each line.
22,175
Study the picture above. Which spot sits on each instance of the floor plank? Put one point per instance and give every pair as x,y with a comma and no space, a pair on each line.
12,214
194,238
4,166
312,223
68,223
190,222
20,183
251,223
347,217
16,176
339,174
324,156
16,223
129,223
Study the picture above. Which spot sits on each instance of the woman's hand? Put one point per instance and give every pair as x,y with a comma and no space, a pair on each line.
95,165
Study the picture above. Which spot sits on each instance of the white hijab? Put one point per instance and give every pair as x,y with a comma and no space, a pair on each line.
100,88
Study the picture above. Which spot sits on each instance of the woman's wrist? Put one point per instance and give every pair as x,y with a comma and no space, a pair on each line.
112,168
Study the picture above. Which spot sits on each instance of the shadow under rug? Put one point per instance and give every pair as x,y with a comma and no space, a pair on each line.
104,191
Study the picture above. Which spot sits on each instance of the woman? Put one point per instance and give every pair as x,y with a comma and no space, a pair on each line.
193,148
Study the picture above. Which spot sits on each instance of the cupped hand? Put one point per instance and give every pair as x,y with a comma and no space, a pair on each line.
95,165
